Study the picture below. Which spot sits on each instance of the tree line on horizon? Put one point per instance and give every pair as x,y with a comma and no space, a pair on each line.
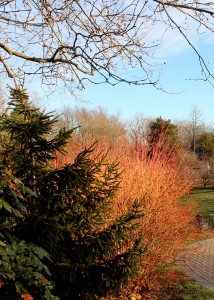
193,134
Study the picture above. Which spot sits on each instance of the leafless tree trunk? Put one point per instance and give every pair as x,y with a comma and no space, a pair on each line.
138,131
194,127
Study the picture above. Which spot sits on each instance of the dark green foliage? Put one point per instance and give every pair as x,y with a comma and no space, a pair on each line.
205,146
30,149
163,134
22,270
65,213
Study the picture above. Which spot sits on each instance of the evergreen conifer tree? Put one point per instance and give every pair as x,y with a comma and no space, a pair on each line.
66,210
163,136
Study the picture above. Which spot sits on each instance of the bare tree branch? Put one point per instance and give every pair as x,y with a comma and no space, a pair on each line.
203,65
9,72
189,7
40,60
72,41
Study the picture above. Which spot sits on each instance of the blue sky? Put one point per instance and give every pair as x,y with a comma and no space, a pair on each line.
175,104
182,94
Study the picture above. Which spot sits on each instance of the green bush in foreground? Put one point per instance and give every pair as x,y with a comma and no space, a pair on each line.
64,211
22,271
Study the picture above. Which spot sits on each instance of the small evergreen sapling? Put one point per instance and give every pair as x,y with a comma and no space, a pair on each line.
67,215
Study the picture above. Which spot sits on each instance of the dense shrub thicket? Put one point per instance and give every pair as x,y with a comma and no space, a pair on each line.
161,179
55,242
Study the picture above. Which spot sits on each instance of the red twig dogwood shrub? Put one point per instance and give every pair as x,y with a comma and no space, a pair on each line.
160,179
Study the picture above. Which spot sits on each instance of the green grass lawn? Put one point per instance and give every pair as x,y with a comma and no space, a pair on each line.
206,199
192,290
183,289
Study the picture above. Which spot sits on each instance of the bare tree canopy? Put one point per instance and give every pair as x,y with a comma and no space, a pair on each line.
72,41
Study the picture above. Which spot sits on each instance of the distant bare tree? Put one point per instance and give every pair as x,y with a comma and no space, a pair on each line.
72,41
138,128
92,125
194,127
206,171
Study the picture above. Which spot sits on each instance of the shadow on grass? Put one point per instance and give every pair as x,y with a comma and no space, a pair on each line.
192,290
203,190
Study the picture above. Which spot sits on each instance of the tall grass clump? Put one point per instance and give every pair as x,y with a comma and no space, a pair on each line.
161,177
